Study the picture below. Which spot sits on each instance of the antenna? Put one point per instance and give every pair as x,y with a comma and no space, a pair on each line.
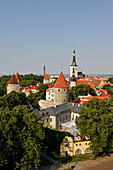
61,67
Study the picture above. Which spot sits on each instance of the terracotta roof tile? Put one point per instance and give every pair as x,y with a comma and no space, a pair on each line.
47,76
29,90
106,84
13,80
18,77
61,82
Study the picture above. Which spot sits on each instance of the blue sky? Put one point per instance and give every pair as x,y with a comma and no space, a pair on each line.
44,32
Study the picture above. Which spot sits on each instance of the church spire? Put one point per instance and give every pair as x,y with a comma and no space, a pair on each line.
74,60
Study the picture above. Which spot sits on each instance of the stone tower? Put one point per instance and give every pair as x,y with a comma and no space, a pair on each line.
74,67
13,84
60,90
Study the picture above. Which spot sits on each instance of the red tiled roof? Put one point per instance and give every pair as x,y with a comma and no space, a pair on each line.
47,77
61,82
106,84
29,90
18,77
34,87
48,90
13,80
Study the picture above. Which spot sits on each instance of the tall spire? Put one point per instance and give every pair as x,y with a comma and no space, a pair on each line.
74,60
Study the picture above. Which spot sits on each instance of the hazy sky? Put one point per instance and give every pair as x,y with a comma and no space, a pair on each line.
34,33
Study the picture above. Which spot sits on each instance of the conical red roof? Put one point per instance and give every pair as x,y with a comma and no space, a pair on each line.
18,77
13,80
61,82
47,77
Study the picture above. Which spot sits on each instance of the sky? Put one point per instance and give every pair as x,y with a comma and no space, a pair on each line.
41,33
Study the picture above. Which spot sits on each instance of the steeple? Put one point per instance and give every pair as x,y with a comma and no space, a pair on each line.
74,59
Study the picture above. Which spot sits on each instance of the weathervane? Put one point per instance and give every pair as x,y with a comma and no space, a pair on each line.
61,67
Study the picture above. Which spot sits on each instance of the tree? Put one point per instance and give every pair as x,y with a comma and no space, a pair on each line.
33,98
3,84
109,88
30,79
96,121
80,90
13,99
21,136
110,80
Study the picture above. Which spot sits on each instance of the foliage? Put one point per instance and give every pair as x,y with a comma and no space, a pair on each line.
75,158
3,83
80,90
30,79
54,139
27,80
109,88
33,98
21,137
13,99
110,80
96,121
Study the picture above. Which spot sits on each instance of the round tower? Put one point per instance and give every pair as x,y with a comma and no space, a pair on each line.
60,90
13,84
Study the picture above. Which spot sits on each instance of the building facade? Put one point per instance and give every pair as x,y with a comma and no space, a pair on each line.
80,146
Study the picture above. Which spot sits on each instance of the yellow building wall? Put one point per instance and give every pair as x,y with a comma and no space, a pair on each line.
70,147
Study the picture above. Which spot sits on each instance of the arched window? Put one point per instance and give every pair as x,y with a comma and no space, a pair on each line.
87,150
78,151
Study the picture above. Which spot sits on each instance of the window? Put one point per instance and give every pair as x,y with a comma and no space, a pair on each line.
61,119
80,144
76,144
67,145
66,116
87,150
58,89
66,139
64,89
47,120
50,119
85,143
50,126
78,151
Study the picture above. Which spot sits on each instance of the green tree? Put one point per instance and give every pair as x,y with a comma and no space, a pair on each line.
3,84
110,80
21,136
80,90
96,121
30,79
109,88
13,99
33,98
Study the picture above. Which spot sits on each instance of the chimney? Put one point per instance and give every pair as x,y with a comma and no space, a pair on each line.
44,71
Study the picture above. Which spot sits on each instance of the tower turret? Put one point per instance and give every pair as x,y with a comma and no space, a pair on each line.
60,90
